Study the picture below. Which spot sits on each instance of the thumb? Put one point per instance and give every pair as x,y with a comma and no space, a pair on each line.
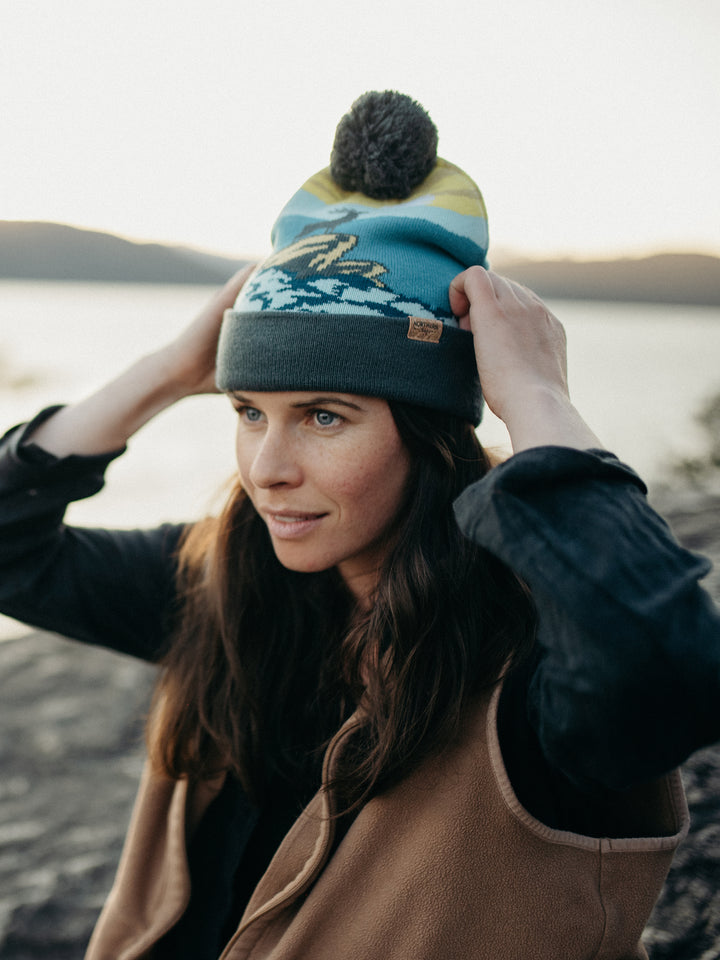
466,289
228,294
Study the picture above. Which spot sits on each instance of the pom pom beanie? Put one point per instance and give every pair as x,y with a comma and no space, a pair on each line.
354,297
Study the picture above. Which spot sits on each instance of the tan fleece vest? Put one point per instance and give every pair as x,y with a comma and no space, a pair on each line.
445,866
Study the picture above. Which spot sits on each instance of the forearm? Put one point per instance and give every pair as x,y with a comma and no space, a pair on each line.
113,588
105,420
629,677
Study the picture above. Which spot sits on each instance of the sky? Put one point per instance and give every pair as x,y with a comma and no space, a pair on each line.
592,128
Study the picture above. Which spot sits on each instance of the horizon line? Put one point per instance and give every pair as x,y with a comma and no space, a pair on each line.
504,252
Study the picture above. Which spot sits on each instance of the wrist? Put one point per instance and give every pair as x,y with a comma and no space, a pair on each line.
545,416
163,377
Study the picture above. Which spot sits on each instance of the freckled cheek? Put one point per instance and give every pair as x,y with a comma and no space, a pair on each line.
355,478
373,490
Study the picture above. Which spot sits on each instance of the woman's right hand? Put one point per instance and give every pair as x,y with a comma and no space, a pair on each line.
104,422
191,356
521,360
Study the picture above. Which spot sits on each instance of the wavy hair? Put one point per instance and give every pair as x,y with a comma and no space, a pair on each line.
265,663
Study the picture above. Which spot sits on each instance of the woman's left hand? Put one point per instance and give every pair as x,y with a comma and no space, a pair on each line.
190,357
105,421
521,359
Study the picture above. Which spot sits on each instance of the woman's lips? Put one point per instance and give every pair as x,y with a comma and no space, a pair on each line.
289,525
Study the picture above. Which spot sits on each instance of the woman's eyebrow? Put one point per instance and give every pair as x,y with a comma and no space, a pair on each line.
319,400
312,402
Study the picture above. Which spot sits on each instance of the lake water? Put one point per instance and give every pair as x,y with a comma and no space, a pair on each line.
638,373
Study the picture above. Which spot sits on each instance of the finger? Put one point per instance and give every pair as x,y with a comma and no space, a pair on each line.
506,290
459,303
228,294
241,275
466,287
509,290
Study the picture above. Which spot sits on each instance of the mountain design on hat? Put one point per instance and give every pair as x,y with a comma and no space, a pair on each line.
313,275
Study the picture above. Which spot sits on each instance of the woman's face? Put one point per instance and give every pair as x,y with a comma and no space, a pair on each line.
327,473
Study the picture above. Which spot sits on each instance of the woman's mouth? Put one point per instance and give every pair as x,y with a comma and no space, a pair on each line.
289,526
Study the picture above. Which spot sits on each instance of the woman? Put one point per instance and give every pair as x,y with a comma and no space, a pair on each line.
410,706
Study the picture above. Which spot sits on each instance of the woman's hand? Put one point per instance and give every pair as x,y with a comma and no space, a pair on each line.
521,359
191,357
104,421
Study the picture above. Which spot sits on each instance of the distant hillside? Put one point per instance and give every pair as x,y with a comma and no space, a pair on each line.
664,278
53,251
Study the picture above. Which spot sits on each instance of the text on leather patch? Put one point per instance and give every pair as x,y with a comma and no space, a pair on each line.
428,330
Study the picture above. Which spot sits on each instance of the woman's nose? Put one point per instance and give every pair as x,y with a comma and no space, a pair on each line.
275,461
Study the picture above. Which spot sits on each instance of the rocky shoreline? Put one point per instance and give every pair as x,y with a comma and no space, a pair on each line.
71,753
685,924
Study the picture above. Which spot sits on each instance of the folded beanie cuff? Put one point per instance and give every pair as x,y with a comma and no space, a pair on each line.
428,363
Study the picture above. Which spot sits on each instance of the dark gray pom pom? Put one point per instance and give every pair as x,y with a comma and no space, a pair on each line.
384,147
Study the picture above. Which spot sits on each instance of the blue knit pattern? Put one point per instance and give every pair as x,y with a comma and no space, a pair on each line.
360,257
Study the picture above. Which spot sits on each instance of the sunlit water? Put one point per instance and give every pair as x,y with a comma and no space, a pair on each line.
638,373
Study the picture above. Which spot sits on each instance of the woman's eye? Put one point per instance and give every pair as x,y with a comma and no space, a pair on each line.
324,418
251,414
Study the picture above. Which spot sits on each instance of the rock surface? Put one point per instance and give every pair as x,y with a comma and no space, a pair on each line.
685,924
71,753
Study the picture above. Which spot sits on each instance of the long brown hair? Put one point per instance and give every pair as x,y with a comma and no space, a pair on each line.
265,663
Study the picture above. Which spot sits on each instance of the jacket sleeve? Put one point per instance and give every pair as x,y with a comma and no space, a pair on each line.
626,683
113,588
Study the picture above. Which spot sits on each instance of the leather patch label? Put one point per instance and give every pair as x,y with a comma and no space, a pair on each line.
428,330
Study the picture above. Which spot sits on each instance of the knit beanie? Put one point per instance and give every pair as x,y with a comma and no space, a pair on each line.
354,297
